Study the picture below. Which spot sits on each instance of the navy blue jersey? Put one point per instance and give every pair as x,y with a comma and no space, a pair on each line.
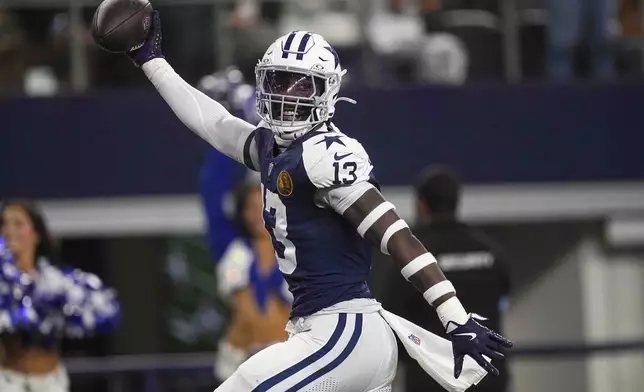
322,257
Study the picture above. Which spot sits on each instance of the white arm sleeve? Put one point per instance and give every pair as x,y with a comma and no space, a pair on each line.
204,116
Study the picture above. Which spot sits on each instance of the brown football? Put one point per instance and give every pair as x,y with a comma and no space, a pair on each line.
120,26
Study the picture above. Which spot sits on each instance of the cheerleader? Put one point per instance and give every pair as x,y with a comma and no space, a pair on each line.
250,281
40,304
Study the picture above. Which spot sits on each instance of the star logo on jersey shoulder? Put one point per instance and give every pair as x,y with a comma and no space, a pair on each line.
329,140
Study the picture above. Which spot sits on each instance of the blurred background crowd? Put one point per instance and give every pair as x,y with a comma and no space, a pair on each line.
509,132
46,47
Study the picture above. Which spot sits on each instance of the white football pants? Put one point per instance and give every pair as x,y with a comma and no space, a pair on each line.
324,353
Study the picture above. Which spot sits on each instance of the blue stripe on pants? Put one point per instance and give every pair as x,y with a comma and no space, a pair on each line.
336,362
333,340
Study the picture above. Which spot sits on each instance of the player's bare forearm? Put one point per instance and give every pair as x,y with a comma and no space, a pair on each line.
382,226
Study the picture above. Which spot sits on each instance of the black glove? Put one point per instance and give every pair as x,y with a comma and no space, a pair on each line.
151,48
477,341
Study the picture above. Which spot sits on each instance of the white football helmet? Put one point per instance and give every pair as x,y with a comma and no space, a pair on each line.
298,82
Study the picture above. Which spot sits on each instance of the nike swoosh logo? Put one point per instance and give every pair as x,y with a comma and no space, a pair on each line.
472,335
340,157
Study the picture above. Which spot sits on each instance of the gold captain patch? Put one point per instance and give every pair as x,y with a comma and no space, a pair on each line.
284,184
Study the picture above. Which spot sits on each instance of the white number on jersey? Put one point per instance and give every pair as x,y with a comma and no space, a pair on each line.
275,222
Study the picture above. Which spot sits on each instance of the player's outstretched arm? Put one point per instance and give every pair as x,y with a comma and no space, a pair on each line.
204,116
377,221
343,175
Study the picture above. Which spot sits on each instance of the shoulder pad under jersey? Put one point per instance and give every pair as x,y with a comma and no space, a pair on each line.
333,159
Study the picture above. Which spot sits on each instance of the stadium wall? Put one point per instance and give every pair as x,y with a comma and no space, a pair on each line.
125,144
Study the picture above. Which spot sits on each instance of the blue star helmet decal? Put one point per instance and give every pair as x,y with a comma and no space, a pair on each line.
335,56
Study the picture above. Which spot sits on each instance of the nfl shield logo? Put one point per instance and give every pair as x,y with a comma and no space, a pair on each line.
414,339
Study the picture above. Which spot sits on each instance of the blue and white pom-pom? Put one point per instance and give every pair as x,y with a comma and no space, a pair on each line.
87,306
16,288
54,302
5,254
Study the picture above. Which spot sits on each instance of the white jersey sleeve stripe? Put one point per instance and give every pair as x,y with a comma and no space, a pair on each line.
391,230
373,216
417,264
343,197
438,290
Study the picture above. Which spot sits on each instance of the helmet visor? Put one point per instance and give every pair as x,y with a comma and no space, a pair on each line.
290,96
293,84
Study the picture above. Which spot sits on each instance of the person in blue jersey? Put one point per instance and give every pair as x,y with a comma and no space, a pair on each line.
323,210
41,304
218,174
250,281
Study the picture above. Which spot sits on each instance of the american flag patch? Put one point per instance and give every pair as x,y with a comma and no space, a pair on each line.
414,339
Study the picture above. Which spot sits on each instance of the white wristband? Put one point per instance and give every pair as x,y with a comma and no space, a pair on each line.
393,229
438,290
452,310
417,264
373,216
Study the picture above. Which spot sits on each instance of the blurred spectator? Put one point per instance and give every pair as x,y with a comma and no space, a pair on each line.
41,303
470,260
429,41
334,20
443,60
630,17
250,280
40,81
395,32
59,47
254,28
191,51
12,54
629,48
579,23
476,44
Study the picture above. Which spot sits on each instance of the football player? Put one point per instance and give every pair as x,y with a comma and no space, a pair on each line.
323,210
